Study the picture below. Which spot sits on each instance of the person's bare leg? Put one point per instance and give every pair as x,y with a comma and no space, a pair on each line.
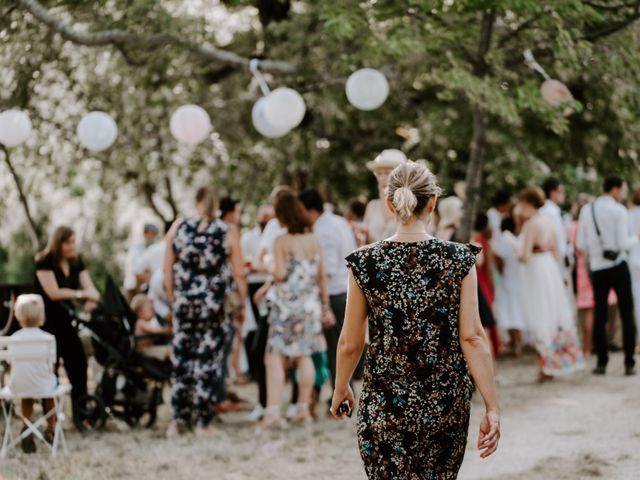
27,408
306,377
515,337
241,379
48,406
275,384
587,332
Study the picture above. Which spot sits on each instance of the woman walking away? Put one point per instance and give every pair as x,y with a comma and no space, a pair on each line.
545,299
299,296
419,296
61,279
201,256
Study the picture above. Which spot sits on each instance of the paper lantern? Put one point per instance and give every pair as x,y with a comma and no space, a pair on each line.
190,124
555,92
15,127
97,131
367,89
284,108
262,125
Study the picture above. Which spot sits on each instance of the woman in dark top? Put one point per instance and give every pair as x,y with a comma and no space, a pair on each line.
418,296
61,279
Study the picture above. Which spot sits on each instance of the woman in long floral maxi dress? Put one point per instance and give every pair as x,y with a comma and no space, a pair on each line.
202,256
418,296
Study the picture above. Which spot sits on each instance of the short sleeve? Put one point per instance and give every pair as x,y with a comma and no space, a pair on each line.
45,263
356,263
466,259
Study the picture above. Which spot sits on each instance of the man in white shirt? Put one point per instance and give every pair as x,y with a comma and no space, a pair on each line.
337,241
556,196
603,234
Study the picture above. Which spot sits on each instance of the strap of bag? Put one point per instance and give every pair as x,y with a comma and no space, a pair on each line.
595,223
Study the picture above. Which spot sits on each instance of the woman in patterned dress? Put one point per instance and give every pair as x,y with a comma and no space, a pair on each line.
418,296
298,299
202,256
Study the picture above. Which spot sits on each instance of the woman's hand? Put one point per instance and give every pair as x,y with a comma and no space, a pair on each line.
260,295
90,306
328,317
489,433
238,318
339,396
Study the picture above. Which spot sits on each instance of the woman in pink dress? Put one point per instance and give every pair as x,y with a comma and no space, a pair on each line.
583,288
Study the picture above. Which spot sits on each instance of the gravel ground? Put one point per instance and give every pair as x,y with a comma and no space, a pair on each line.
575,428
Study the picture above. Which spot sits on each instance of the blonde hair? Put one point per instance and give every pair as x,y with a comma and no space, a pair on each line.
139,301
411,185
208,200
30,310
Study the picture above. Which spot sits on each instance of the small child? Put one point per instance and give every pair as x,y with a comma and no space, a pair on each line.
147,324
30,377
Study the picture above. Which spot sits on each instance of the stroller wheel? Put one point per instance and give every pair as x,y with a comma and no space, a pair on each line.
89,413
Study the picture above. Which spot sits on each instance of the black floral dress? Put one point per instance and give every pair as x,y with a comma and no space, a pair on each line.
413,413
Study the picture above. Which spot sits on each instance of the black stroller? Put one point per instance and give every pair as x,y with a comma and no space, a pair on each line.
130,385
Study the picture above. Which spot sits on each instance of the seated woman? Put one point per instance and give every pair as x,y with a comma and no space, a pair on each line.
148,329
30,377
61,278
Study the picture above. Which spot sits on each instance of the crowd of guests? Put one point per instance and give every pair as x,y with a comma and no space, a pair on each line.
266,304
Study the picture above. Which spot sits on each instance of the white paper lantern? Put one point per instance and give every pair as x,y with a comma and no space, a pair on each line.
15,127
367,89
261,123
190,124
284,108
97,131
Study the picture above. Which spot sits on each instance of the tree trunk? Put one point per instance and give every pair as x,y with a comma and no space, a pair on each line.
475,167
34,230
475,171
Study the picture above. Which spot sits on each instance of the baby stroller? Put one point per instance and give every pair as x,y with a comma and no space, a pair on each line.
130,385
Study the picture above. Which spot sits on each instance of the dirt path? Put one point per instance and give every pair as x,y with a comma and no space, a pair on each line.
577,428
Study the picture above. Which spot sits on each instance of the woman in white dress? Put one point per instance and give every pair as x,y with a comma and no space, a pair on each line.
545,300
507,304
379,222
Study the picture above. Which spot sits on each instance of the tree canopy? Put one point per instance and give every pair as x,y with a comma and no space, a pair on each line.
458,84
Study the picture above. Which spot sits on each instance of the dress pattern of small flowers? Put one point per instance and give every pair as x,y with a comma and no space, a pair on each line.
413,413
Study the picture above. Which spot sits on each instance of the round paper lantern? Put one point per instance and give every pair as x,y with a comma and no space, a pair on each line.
261,123
367,89
555,92
15,127
97,131
284,108
190,124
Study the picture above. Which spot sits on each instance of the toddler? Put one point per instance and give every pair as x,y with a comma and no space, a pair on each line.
147,324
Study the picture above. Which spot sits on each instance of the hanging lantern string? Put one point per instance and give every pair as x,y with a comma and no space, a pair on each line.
253,68
531,62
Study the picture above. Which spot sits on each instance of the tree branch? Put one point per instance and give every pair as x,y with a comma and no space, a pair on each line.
148,190
34,230
600,6
515,32
154,41
614,27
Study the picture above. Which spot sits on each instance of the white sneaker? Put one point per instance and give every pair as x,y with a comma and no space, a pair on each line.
292,410
256,414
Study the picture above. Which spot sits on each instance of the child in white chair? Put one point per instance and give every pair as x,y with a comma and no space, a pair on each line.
29,377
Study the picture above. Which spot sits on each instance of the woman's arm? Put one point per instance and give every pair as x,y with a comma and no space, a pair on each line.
91,292
478,355
328,318
49,284
350,345
526,243
146,329
279,272
169,260
237,264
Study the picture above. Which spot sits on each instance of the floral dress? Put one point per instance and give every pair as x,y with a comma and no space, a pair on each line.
413,413
296,311
201,329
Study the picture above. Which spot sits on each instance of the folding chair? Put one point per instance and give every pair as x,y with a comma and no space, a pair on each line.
7,398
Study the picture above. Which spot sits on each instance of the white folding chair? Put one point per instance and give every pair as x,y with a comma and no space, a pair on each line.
7,398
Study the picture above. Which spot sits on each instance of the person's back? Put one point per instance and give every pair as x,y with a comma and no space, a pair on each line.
31,377
418,296
413,293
